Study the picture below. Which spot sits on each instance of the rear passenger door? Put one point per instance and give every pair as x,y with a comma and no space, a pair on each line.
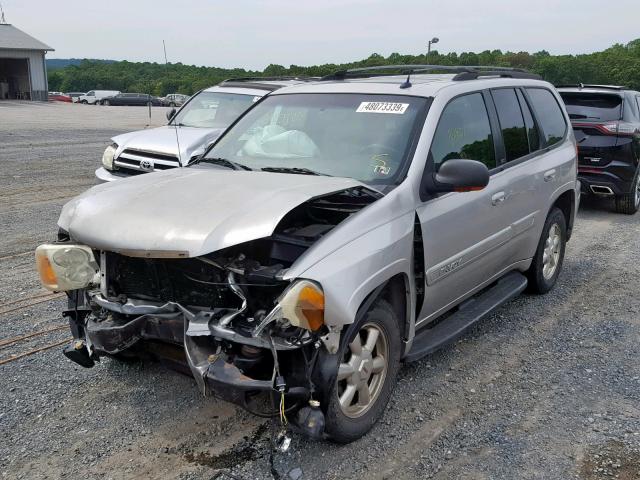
521,171
464,234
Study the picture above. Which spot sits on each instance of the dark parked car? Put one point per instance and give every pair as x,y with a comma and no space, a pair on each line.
131,99
606,124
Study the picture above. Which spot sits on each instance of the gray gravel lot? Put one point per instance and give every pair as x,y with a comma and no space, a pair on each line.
546,388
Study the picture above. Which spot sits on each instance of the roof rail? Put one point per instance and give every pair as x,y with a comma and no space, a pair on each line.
256,82
463,72
590,85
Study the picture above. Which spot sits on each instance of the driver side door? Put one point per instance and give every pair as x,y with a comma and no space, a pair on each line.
462,232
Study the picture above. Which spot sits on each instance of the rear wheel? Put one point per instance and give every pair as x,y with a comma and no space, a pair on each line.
547,262
629,203
106,102
369,364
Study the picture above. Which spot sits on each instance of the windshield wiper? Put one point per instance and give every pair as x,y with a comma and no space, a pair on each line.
298,170
224,163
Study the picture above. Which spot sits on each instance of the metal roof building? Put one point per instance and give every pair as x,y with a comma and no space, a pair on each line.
23,72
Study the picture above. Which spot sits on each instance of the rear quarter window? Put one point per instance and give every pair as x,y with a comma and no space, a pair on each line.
549,114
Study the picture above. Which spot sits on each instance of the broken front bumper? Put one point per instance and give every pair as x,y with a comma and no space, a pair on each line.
215,372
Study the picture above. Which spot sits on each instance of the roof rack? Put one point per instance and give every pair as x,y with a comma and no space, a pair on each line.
463,72
256,82
590,85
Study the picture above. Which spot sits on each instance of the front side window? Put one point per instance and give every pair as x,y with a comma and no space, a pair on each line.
365,137
213,110
549,114
464,132
514,134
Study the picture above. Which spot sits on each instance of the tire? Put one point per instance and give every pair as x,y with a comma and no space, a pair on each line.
172,105
547,262
106,103
84,102
629,203
348,423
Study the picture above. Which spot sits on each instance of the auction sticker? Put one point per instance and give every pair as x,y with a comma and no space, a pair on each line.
382,107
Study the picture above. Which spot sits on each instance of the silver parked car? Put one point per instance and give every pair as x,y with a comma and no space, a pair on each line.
189,132
337,229
174,100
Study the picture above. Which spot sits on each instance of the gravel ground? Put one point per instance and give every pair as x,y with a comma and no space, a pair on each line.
548,387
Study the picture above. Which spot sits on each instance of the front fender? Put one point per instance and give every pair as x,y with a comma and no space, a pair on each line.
354,270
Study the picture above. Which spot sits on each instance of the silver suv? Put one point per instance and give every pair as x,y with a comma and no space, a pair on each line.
189,132
336,230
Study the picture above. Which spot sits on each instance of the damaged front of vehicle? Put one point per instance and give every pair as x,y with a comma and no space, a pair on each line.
251,267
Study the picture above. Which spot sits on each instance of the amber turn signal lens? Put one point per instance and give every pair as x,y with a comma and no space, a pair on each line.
45,269
311,305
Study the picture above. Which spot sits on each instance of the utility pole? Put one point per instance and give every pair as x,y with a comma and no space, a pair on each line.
165,53
433,40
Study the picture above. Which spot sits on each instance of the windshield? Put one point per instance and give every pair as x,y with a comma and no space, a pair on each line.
593,106
365,137
213,110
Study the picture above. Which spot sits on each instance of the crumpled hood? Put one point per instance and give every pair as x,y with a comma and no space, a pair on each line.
193,210
163,140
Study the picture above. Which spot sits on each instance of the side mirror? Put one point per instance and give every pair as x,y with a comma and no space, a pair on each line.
459,175
171,113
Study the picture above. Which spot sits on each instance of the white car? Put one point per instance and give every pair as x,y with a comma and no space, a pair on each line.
94,96
189,132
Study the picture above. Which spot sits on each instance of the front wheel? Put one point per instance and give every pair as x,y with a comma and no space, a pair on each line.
106,102
549,256
369,364
629,203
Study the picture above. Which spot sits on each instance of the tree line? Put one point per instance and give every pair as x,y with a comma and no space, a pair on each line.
618,65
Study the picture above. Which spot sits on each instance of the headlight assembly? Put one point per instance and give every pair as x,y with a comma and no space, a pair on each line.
108,155
301,305
66,267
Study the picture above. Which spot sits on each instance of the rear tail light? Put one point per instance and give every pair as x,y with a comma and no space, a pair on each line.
611,128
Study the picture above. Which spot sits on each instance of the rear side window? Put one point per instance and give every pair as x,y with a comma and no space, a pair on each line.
593,106
549,114
464,131
533,135
514,133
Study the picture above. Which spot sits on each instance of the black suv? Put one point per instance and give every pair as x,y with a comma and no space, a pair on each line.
606,124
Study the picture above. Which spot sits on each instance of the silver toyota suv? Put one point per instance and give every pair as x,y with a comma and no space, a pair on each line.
190,131
336,230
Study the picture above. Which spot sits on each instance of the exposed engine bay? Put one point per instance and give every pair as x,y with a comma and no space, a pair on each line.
227,314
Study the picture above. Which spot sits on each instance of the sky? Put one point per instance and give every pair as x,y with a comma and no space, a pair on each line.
252,34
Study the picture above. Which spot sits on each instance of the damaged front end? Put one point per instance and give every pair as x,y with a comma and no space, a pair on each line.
243,331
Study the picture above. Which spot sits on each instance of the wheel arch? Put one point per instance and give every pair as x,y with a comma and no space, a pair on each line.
566,202
396,291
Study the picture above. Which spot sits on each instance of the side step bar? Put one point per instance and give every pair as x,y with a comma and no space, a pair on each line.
428,340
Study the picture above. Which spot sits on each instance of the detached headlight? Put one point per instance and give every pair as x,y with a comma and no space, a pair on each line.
65,267
302,304
107,156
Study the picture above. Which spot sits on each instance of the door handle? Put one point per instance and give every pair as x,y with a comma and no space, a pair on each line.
497,198
549,175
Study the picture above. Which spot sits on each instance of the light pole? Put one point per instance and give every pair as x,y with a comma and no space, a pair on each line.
433,40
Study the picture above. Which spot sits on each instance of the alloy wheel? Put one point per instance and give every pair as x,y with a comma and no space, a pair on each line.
551,254
362,372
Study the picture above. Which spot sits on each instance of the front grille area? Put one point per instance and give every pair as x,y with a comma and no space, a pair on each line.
187,281
142,161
